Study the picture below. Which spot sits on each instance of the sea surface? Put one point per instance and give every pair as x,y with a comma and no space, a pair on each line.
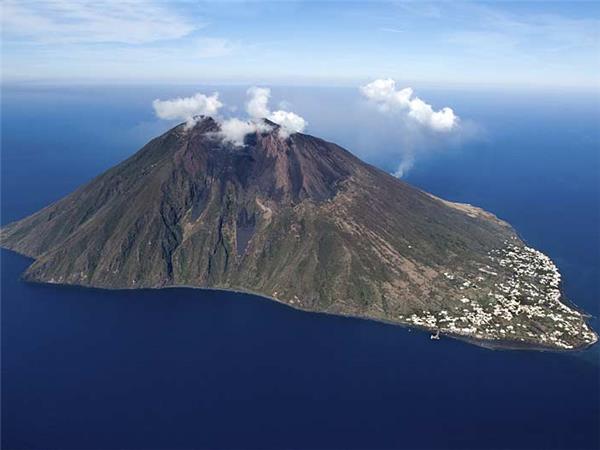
186,369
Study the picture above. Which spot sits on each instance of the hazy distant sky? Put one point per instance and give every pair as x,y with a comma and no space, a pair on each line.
329,43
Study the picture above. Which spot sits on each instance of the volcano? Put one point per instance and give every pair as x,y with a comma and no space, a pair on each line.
302,221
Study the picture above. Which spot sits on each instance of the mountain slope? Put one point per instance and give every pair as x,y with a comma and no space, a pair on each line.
302,221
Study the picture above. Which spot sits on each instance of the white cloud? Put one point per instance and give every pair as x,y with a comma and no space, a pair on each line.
290,122
383,93
100,21
257,107
409,128
187,107
235,130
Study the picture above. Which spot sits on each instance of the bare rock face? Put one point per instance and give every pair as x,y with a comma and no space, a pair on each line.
302,221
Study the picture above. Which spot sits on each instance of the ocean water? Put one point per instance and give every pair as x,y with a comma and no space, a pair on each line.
182,368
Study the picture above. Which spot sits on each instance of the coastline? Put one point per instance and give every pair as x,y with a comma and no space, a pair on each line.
488,344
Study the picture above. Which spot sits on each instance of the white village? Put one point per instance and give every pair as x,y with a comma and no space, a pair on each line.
522,307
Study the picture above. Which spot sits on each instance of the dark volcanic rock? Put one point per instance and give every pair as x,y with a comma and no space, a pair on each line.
305,222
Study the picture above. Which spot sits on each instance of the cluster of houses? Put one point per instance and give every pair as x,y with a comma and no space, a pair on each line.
515,298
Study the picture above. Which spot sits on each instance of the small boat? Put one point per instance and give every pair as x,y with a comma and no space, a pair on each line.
436,336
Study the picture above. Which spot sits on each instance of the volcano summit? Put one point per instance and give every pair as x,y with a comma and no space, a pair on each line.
306,223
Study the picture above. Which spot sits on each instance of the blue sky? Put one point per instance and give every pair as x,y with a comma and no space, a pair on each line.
547,44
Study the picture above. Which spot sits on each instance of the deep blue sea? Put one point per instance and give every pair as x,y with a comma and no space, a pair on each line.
189,369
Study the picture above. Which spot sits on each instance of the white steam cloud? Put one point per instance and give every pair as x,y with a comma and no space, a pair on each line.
258,108
407,163
288,121
409,126
383,92
187,108
233,130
